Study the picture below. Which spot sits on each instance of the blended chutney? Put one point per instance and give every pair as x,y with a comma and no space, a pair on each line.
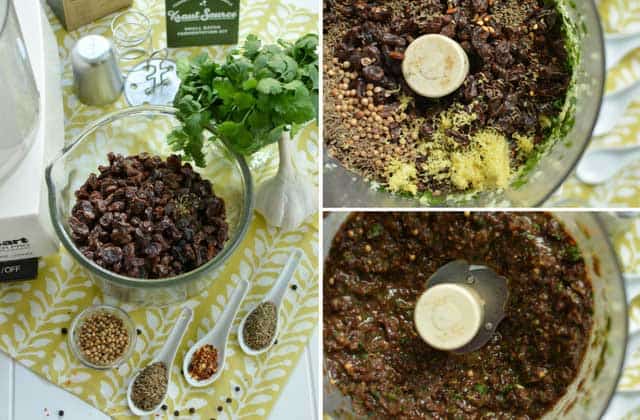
379,265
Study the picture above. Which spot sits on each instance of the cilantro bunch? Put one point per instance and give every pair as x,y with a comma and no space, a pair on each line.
250,99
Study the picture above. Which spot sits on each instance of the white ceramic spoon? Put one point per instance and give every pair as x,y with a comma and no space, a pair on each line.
274,296
600,165
613,108
218,336
632,282
167,355
617,46
632,360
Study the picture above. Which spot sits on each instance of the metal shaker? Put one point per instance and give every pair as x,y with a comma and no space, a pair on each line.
96,75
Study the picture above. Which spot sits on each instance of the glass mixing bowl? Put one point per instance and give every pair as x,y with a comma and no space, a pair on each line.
129,132
588,396
343,188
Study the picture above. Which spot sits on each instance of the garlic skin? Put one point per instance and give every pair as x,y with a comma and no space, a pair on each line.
289,198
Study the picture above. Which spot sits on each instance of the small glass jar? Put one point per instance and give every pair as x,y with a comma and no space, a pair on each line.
132,37
76,326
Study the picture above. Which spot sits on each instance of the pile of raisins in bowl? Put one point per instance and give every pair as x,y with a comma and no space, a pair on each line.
145,217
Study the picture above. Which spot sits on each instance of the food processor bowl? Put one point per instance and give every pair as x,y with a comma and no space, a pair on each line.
130,132
343,188
589,395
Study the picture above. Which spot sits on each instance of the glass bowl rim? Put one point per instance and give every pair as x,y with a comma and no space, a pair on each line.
602,84
120,313
215,262
619,275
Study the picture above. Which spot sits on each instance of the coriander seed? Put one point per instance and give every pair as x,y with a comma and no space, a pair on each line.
102,338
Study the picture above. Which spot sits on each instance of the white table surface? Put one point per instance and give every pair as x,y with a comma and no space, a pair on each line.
26,396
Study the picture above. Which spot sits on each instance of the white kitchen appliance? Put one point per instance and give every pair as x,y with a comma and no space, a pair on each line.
31,132
19,108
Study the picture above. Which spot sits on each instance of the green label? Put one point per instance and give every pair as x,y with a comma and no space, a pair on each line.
202,22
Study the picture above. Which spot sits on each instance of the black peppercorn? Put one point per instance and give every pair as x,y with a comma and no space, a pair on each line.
275,342
164,407
138,331
192,410
237,389
176,413
61,413
294,287
64,331
219,408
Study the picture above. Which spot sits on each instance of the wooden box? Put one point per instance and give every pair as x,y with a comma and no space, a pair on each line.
76,13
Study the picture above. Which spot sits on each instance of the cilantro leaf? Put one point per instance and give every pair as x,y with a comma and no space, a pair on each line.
269,86
250,99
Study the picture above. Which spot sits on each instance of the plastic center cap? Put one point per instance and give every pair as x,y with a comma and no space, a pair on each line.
435,66
448,316
93,48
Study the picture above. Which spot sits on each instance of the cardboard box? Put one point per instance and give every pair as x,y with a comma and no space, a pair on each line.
25,226
202,22
75,13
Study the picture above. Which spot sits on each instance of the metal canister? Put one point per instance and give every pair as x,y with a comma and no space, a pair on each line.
96,75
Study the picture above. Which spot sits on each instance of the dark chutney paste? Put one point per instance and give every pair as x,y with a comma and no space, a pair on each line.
378,266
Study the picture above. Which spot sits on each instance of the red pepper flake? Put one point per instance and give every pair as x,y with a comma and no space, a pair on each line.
204,363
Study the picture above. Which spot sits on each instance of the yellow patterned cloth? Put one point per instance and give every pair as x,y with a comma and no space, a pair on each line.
618,17
32,314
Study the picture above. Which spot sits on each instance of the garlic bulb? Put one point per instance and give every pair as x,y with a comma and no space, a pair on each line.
289,198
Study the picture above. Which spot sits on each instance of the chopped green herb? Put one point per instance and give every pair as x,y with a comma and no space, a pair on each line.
573,253
481,388
391,396
375,231
507,389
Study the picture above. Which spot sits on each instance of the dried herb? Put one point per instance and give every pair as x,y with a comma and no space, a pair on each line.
150,386
260,326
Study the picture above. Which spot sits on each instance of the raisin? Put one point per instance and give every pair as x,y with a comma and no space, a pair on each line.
145,217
